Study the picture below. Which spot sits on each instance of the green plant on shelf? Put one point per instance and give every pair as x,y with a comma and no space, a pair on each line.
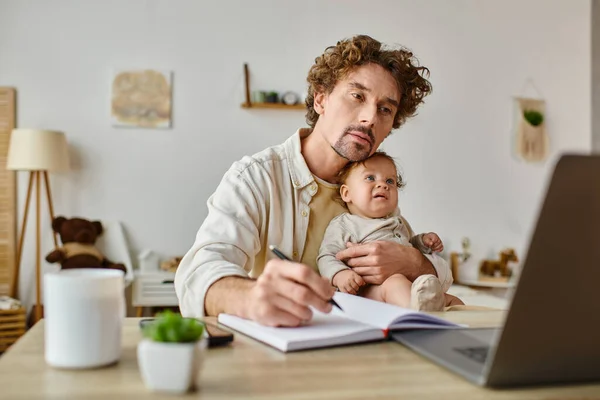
173,328
535,118
272,97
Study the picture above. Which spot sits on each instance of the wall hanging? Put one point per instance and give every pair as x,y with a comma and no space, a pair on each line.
531,138
141,98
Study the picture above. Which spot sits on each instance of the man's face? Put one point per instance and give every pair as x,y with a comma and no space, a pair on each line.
371,189
359,113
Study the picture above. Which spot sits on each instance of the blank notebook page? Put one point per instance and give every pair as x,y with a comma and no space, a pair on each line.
369,311
322,330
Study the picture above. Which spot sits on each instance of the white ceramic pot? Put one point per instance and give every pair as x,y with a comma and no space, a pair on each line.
170,367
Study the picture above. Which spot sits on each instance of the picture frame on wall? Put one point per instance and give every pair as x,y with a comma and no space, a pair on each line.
141,98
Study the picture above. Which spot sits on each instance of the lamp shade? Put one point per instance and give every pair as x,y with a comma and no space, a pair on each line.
37,150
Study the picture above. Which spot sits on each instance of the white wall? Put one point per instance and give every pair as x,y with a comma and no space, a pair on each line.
462,179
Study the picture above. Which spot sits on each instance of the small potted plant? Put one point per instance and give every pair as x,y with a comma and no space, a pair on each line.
272,97
170,355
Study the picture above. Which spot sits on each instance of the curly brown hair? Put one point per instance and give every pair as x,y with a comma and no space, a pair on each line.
342,176
339,60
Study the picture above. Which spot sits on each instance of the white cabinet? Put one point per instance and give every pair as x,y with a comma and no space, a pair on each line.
153,289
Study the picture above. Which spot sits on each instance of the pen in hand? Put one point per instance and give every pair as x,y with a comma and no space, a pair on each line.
282,256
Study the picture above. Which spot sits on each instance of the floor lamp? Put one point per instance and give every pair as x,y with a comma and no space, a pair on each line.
39,152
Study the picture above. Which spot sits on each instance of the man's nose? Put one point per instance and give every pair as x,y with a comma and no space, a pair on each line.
368,114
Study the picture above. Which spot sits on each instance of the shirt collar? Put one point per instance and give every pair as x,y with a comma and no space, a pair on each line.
299,172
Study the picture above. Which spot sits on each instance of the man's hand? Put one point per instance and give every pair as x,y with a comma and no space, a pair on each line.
433,241
376,261
283,292
348,281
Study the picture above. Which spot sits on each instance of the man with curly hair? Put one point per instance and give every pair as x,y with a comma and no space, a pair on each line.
359,90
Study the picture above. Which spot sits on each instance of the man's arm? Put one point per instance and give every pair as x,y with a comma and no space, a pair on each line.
211,277
281,296
377,261
227,295
424,266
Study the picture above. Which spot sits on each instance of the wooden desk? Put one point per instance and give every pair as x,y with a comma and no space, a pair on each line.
248,369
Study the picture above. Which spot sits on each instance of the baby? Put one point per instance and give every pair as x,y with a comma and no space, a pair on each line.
370,191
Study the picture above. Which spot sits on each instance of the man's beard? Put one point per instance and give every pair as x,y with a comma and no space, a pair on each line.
346,148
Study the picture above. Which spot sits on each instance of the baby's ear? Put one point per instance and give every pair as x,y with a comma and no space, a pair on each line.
344,193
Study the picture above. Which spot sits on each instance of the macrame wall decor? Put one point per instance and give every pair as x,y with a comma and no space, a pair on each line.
531,138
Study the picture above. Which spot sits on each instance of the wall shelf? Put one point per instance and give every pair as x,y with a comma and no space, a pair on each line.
249,104
274,105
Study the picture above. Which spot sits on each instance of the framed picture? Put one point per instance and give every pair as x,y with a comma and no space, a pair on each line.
141,98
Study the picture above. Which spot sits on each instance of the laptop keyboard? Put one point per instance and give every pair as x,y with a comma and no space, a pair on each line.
478,354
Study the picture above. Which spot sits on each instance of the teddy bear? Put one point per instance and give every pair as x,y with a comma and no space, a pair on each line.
78,237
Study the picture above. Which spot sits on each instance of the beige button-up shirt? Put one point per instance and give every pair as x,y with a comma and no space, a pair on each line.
262,199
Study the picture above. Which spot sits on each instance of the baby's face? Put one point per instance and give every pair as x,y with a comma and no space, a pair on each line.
370,189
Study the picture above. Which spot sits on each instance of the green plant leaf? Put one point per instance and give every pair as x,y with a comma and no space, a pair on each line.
173,328
534,117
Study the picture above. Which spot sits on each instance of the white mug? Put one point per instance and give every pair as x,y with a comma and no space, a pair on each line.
83,314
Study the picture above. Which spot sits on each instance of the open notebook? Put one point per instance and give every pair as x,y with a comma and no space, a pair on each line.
362,320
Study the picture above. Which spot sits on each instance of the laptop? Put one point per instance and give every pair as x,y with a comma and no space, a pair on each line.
552,329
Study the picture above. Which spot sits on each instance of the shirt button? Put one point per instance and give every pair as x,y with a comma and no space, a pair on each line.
304,213
295,254
313,187
296,183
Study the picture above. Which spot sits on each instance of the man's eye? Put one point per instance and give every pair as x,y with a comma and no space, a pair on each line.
357,96
385,110
370,178
390,182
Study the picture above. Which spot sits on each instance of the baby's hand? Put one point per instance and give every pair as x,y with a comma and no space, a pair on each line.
348,281
433,241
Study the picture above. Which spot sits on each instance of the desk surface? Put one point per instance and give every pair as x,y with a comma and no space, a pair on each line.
248,369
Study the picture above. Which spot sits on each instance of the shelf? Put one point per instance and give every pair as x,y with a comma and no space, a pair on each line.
275,105
488,284
278,106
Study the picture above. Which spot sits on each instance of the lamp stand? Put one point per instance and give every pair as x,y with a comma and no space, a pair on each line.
34,176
